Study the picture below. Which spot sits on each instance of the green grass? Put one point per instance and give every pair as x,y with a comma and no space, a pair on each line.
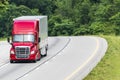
109,67
3,39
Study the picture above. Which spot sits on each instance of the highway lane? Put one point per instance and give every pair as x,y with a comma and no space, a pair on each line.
69,58
15,71
4,52
74,62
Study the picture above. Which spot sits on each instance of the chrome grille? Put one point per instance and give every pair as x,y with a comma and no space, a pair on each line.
22,52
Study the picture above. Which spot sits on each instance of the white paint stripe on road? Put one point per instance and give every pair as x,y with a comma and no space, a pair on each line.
4,65
85,63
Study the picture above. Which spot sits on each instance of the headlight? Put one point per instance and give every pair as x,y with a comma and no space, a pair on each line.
32,52
12,52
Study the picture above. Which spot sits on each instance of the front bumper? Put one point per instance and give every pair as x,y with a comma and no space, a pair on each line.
30,57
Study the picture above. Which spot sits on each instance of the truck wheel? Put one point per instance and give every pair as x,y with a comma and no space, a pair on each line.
44,50
39,58
47,47
11,61
34,61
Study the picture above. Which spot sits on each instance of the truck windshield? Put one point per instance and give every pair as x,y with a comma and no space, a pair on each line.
23,38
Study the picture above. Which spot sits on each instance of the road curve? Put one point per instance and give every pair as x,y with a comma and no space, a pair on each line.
69,58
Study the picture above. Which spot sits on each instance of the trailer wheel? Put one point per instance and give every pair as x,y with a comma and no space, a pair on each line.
47,47
44,50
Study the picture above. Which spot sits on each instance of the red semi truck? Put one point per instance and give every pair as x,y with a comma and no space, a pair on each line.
29,38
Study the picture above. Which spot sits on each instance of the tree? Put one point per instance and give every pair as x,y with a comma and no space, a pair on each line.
46,7
82,30
12,11
60,26
116,21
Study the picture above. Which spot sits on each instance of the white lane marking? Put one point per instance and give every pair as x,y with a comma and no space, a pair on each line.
25,76
4,65
85,63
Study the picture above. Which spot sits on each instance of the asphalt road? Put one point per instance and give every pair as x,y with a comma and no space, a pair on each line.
69,58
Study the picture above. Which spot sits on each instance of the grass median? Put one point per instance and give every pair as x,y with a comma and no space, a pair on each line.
109,67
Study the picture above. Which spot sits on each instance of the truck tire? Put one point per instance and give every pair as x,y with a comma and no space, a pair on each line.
45,52
45,49
34,61
39,58
11,61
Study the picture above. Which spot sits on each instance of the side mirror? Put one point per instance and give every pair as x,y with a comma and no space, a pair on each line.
39,40
8,40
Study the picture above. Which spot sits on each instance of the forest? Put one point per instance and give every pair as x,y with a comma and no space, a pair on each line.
65,17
